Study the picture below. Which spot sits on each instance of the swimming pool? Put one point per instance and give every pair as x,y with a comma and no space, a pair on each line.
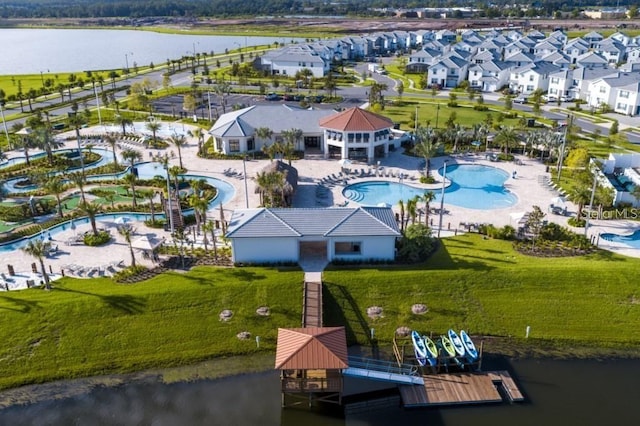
632,240
472,186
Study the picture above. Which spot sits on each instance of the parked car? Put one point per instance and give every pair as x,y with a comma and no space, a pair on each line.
272,97
550,98
521,100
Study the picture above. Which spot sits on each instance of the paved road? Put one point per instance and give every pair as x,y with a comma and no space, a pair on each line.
352,96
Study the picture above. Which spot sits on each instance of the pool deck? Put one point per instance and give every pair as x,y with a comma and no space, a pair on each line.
528,186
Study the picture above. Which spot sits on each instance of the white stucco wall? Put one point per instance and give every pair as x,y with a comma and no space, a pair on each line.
370,248
265,250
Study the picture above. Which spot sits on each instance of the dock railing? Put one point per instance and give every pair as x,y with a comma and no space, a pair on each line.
389,367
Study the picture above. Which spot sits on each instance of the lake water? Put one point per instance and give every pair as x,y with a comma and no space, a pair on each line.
31,51
577,392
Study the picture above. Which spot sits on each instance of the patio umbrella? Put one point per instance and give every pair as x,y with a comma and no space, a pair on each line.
121,220
345,162
558,201
146,243
384,205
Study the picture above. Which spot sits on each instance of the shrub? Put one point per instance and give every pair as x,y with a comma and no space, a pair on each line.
577,222
129,272
481,108
93,240
427,179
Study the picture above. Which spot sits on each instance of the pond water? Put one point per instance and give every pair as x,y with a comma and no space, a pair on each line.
31,51
576,392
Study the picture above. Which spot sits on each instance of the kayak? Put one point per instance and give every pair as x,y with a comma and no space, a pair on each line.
447,346
431,347
457,342
419,346
470,348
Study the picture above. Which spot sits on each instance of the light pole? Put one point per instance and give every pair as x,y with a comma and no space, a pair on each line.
4,123
126,61
246,190
593,193
444,180
415,125
564,143
437,114
95,91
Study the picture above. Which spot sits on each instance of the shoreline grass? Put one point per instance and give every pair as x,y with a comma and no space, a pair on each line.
579,306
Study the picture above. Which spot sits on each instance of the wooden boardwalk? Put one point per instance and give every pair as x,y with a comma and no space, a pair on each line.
460,388
312,302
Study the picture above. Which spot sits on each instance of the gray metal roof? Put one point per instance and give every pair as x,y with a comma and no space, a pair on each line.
275,117
360,221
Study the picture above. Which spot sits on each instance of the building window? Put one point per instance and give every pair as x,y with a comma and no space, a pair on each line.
529,88
555,80
602,89
219,144
358,137
251,145
624,94
365,138
351,247
531,78
621,107
350,137
234,145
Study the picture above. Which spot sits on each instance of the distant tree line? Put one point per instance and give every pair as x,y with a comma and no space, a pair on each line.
234,8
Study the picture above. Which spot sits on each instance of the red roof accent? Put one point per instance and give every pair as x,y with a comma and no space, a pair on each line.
356,119
312,348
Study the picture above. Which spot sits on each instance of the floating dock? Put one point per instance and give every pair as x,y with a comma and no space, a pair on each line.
461,388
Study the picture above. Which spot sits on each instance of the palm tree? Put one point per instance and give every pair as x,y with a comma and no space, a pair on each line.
130,179
132,156
426,145
124,122
209,226
200,206
580,195
43,139
264,133
412,209
292,136
110,198
39,249
153,127
401,205
428,197
199,134
175,172
150,194
112,140
91,210
79,180
178,141
458,134
55,186
127,233
507,137
27,143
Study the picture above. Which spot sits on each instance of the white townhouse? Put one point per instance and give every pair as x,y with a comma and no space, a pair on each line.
520,59
445,36
516,47
546,47
592,39
486,56
289,61
557,58
612,50
559,36
536,35
633,55
277,235
421,60
591,60
560,84
575,48
235,132
531,77
448,72
424,36
619,91
489,76
582,77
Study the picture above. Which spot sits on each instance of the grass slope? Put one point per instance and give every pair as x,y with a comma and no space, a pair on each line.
486,287
92,327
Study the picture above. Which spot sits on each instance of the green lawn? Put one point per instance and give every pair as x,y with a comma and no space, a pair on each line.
486,287
89,327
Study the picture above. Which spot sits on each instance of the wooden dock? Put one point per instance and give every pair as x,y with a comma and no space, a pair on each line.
461,388
312,301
